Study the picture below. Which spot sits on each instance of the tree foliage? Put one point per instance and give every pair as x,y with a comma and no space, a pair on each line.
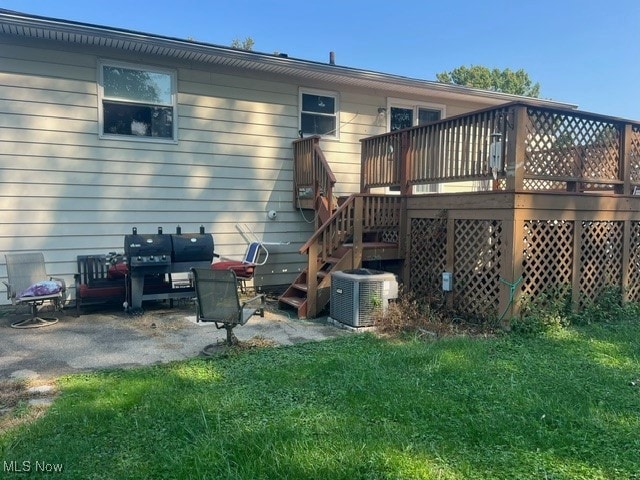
505,81
134,84
246,44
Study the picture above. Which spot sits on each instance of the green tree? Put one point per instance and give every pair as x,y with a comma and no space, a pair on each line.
505,81
246,44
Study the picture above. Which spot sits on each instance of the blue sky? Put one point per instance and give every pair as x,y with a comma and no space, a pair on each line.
583,52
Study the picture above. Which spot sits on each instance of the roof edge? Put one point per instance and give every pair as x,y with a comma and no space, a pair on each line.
258,60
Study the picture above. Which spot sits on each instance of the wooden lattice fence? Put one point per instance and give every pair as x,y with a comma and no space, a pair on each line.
505,248
428,250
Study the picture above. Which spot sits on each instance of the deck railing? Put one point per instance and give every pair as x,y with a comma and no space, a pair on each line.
311,170
521,146
365,212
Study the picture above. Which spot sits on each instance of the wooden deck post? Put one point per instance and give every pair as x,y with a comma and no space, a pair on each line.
312,281
514,163
404,231
626,133
449,265
626,259
358,221
511,271
577,265
364,167
405,165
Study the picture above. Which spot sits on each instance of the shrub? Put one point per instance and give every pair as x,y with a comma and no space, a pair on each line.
408,314
608,307
553,309
548,310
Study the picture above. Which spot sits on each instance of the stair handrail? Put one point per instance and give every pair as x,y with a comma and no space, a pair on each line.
311,168
340,224
323,176
348,204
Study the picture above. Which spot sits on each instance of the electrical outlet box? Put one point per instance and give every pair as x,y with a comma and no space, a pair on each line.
447,281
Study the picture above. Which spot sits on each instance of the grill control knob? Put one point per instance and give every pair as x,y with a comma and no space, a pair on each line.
139,259
151,258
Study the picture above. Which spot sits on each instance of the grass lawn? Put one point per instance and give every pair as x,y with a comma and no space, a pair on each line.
563,405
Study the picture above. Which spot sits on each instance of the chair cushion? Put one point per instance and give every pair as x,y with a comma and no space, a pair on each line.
87,292
41,289
241,269
118,270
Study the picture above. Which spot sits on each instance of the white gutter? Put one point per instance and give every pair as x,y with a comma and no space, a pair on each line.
45,28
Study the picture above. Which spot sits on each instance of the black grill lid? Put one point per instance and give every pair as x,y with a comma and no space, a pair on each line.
145,245
192,247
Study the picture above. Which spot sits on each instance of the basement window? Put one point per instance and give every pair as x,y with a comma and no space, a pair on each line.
137,102
319,113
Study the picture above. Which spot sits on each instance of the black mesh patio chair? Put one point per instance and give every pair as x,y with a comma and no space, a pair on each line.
28,283
217,301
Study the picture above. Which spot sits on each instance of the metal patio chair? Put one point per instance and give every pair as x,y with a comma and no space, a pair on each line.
255,256
28,283
217,301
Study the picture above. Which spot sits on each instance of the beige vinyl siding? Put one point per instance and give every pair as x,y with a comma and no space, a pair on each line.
357,119
66,192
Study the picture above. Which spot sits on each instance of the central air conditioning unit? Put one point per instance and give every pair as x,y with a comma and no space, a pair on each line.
356,295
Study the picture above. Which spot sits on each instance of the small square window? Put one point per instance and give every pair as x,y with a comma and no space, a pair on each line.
319,114
137,102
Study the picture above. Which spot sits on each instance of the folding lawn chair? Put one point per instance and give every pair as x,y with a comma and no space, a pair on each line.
245,268
28,283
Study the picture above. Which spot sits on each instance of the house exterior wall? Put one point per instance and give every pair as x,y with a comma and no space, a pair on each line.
67,192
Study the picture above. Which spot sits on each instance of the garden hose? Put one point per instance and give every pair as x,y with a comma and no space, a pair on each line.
512,294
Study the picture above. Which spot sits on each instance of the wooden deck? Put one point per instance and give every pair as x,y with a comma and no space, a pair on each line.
558,210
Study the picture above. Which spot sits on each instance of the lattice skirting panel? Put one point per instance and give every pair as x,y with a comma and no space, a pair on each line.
547,260
600,258
428,253
633,286
477,257
577,259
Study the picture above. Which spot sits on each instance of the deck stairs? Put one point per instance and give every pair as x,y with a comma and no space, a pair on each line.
362,227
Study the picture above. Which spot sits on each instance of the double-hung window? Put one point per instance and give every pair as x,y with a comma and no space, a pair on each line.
319,113
137,102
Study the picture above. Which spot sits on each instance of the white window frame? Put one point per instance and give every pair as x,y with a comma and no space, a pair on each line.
415,106
324,93
101,98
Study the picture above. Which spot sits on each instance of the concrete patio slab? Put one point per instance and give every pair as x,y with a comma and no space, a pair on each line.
114,339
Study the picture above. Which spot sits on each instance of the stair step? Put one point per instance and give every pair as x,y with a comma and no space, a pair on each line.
293,301
373,245
300,286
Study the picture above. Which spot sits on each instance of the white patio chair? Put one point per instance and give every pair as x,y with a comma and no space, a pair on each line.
28,283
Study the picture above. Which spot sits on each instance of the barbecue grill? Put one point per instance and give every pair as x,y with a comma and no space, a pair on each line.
156,256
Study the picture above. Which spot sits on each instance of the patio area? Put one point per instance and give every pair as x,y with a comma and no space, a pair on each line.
106,339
